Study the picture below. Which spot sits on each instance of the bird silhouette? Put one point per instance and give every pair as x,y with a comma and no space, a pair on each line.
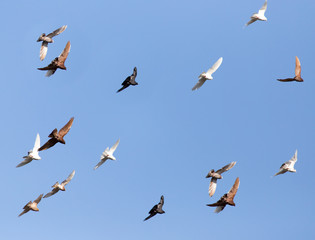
156,209
288,166
45,39
32,154
56,136
108,154
226,199
58,62
297,76
258,16
56,187
31,205
130,80
217,175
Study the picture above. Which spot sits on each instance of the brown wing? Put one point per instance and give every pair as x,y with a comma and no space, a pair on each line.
297,67
226,167
63,131
231,194
63,56
57,32
51,66
37,200
51,142
286,80
65,182
54,191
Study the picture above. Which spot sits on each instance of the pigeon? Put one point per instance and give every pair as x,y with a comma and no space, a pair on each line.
32,154
226,198
217,175
45,39
107,154
130,80
56,187
32,205
156,209
58,62
288,166
208,75
259,16
297,76
57,137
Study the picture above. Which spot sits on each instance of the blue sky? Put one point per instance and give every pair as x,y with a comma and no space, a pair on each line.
170,137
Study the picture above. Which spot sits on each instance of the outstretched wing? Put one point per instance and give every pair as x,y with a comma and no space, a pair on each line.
226,168
51,142
263,9
54,191
37,200
37,143
65,182
57,32
297,67
113,148
212,186
26,161
199,83
286,80
63,131
43,50
100,163
63,56
215,66
251,21
233,190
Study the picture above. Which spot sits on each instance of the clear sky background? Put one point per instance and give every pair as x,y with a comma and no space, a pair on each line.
170,137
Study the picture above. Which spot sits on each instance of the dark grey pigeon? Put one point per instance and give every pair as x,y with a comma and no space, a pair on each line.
156,209
130,80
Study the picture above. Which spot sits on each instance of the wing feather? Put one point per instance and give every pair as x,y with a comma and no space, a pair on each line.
57,32
43,50
113,148
65,182
297,67
226,168
63,131
215,66
212,186
199,83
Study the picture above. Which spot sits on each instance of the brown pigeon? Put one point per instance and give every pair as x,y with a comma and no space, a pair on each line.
32,205
297,76
56,136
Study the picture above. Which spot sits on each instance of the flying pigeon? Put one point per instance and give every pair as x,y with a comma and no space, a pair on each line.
130,80
208,75
32,205
259,16
58,62
226,198
217,175
57,137
108,154
156,209
297,76
288,166
45,39
32,154
56,187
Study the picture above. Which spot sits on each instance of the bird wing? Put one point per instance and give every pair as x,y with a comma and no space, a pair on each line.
161,201
215,66
57,32
113,148
286,80
233,190
43,50
212,186
26,161
65,182
219,209
37,143
100,163
297,67
251,21
37,200
226,168
54,191
63,56
263,9
151,215
292,161
25,211
63,131
199,83
51,142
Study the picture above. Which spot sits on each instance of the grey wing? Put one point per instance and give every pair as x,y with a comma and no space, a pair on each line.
37,200
54,191
43,50
212,186
26,161
226,168
65,182
57,32
251,21
100,163
219,209
199,83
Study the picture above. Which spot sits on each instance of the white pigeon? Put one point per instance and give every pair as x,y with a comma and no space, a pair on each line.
32,154
259,16
288,166
108,154
208,75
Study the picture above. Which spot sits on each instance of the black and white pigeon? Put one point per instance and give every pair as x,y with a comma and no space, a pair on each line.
156,209
130,80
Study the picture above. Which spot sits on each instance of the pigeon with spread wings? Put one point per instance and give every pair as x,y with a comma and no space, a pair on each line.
45,39
32,154
58,62
56,187
208,75
56,136
130,80
217,175
259,16
226,199
297,76
108,154
288,166
156,209
31,205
